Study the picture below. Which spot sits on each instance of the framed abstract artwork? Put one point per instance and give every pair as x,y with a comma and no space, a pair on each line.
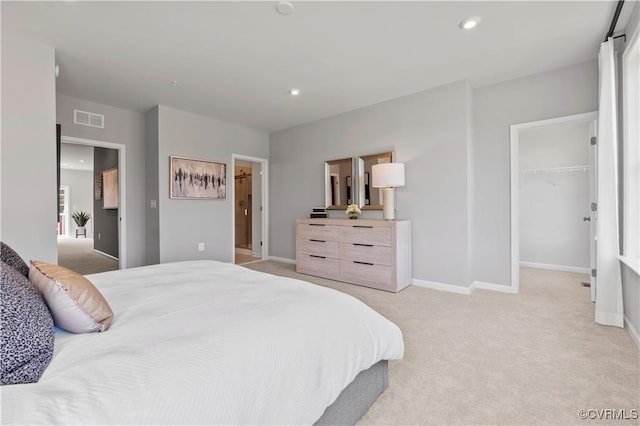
197,179
110,189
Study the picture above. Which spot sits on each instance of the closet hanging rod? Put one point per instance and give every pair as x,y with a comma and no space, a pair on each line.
555,170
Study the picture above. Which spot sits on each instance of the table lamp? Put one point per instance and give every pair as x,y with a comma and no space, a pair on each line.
388,176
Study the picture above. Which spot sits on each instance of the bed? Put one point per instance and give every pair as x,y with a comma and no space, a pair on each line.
205,342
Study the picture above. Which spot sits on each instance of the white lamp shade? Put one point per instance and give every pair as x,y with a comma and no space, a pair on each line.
388,175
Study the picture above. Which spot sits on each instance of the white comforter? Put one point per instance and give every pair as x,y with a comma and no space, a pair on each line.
210,343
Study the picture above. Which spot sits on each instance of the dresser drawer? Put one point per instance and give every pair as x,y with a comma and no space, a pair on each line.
319,247
377,276
379,255
318,232
319,266
377,236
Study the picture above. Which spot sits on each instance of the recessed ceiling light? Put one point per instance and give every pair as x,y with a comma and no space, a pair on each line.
284,8
294,92
82,161
470,22
174,83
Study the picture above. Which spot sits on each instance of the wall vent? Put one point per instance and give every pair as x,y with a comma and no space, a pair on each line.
85,118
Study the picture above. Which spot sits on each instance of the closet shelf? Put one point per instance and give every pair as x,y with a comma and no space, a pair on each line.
568,169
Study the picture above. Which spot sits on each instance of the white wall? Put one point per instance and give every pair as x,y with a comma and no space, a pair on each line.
28,164
566,91
80,184
630,279
428,132
185,223
124,127
552,206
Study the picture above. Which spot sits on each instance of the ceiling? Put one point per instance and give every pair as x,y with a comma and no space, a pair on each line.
238,60
76,157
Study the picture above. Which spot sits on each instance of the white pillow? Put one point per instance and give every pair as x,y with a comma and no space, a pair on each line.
75,304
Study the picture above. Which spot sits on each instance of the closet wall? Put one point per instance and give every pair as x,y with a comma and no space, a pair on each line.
554,196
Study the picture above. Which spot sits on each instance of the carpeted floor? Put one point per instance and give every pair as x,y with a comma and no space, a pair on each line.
77,254
495,358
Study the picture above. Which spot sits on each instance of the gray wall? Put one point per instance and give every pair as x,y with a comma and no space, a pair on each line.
185,223
105,221
429,132
80,184
566,91
152,217
552,205
28,211
124,127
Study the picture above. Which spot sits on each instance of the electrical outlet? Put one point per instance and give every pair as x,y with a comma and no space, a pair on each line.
200,246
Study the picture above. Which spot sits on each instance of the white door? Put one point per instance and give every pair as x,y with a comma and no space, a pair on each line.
593,211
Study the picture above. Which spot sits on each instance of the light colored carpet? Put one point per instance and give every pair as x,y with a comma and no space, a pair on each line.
495,358
78,255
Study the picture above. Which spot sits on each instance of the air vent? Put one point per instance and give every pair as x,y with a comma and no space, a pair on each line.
85,118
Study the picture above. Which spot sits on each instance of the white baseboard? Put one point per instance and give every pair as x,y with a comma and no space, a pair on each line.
632,331
556,267
481,285
282,259
442,286
105,254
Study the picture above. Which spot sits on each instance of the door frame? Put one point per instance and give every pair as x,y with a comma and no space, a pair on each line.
264,214
122,189
515,130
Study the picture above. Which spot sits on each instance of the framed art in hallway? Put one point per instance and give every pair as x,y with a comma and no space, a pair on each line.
110,189
197,179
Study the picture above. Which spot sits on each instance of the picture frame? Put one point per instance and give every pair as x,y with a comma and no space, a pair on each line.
110,189
197,179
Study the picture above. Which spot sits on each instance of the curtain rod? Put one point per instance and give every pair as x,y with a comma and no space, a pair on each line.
614,20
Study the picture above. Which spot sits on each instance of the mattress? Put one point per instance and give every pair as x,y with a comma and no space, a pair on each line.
205,342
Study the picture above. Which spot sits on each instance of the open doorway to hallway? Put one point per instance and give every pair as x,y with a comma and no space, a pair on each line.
88,228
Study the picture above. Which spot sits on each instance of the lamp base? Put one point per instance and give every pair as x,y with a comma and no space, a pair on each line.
388,204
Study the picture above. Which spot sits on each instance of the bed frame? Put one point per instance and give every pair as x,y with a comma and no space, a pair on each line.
357,397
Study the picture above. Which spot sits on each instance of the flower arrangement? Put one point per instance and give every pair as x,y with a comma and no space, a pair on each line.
353,211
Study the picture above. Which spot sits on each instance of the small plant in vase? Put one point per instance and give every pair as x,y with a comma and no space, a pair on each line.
353,211
81,218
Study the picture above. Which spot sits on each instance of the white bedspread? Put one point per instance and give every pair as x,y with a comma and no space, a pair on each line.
206,342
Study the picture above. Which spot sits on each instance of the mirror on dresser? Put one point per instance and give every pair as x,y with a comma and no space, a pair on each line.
370,198
339,184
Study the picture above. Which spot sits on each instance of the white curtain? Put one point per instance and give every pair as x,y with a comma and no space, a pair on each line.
609,310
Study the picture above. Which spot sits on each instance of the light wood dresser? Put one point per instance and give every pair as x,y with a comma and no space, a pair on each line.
368,252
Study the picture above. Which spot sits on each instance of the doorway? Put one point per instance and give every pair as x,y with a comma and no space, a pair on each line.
95,173
250,209
553,171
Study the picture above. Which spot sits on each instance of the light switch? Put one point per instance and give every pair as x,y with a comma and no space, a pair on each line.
154,204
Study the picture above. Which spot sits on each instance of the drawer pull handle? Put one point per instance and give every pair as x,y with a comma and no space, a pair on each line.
363,226
363,245
318,241
363,263
319,257
316,224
